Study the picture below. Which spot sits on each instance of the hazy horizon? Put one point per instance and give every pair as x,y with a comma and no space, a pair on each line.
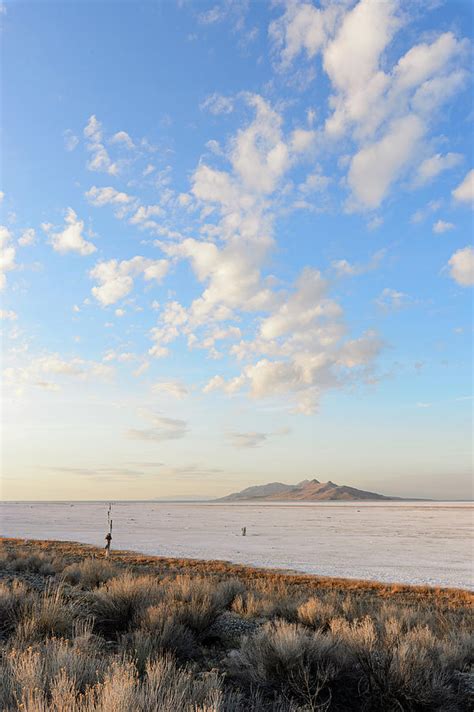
236,248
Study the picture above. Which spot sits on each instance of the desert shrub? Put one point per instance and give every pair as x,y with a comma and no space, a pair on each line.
32,563
12,603
249,605
38,666
226,592
159,633
198,614
89,573
119,603
292,660
315,613
47,614
104,640
195,603
254,604
410,670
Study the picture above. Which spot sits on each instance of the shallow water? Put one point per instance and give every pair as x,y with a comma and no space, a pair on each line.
406,542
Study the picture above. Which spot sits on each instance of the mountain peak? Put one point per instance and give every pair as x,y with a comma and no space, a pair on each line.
305,491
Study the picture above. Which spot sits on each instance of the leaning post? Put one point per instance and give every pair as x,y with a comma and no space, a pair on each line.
108,536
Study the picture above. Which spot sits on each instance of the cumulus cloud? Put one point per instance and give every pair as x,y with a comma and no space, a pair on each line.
71,141
228,260
116,278
122,137
343,268
392,300
300,351
98,197
144,217
461,266
464,193
441,226
302,28
71,239
431,167
27,238
386,109
7,255
100,160
420,215
376,166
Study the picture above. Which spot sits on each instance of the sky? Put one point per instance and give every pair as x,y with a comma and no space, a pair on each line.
236,247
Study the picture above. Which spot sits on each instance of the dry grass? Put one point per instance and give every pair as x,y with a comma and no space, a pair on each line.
82,634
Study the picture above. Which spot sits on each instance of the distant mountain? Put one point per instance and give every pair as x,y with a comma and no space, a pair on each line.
305,491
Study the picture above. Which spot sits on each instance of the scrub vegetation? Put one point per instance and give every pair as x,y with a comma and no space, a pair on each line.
81,633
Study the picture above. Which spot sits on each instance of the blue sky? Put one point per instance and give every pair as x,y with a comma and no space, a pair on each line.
236,247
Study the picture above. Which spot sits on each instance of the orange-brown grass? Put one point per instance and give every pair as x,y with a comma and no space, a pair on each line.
82,633
74,552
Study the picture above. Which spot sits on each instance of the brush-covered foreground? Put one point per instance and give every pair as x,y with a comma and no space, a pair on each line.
81,633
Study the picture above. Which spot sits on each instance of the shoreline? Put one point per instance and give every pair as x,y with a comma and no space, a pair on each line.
245,571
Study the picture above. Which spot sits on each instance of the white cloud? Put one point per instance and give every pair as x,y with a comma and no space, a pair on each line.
162,428
386,110
315,182
71,141
8,315
211,16
7,255
218,104
363,35
421,215
461,266
176,389
392,300
2,196
232,277
70,239
108,196
53,366
343,268
247,440
303,27
301,308
260,156
376,166
93,130
433,166
116,278
254,439
464,193
149,169
144,216
442,226
100,160
300,350
27,238
122,137
142,368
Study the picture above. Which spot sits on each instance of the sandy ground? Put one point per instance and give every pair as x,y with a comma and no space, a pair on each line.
421,543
